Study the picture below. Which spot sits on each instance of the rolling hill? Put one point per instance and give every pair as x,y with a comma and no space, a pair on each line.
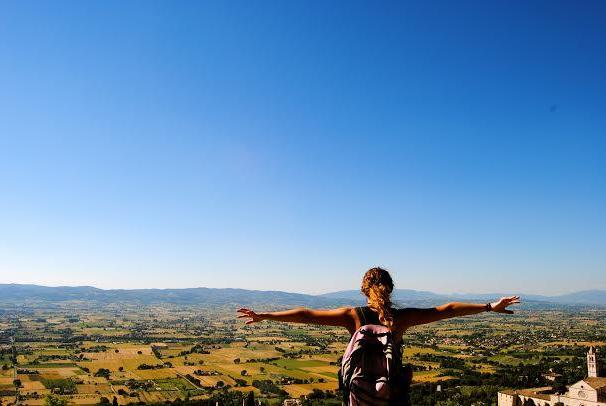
17,294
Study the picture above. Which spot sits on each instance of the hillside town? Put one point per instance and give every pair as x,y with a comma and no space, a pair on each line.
590,391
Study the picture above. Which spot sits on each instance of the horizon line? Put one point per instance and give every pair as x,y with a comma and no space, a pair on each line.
295,292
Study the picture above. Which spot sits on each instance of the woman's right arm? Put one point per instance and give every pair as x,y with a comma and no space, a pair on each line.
342,317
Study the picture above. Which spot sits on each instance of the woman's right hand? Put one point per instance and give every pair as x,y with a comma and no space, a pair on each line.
500,306
247,313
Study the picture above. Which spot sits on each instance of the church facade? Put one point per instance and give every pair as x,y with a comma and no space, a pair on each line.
590,391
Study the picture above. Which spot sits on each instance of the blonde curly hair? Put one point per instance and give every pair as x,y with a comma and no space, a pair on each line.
377,286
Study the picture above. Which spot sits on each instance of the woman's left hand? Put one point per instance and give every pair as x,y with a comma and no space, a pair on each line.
501,305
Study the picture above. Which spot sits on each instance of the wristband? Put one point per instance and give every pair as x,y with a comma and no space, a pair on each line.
488,307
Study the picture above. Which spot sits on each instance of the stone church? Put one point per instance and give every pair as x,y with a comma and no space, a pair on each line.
590,391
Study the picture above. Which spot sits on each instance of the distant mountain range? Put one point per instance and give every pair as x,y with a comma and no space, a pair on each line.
588,297
25,294
15,294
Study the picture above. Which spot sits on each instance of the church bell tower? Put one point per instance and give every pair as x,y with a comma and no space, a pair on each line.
593,366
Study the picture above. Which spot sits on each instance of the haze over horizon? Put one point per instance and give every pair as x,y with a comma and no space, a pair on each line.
446,293
292,145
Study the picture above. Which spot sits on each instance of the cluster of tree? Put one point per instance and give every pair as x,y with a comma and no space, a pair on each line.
60,386
157,366
52,400
200,372
451,393
446,362
523,375
263,360
157,352
24,371
103,372
198,349
222,398
105,401
288,380
122,392
267,386
56,357
138,385
95,348
319,397
193,380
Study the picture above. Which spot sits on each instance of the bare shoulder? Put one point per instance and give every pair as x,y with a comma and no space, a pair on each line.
350,318
407,317
413,316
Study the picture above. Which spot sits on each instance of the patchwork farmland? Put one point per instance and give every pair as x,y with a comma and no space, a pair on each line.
175,354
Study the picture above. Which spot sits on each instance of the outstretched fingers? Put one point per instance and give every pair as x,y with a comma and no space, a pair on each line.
508,301
514,300
247,314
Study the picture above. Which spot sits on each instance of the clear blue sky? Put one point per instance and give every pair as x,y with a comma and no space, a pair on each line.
292,144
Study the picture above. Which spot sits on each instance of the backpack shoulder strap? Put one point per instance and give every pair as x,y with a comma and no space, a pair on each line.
361,315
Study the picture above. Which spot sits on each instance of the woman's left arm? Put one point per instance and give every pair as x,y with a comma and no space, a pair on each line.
412,317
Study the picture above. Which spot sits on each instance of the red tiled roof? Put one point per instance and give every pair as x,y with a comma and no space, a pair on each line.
596,383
